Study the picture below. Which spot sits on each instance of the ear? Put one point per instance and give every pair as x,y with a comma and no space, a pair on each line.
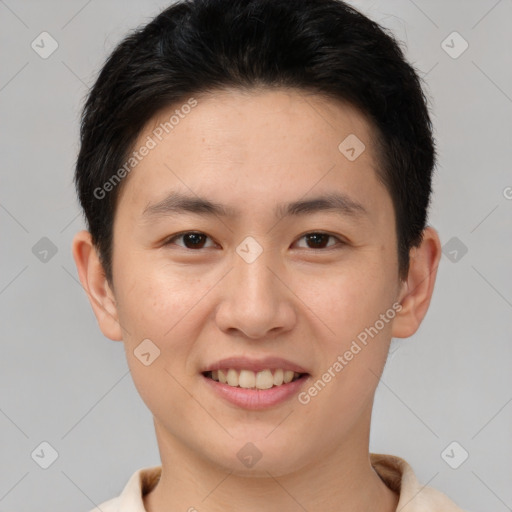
95,284
417,289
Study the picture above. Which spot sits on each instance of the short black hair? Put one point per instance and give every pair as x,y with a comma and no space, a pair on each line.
201,46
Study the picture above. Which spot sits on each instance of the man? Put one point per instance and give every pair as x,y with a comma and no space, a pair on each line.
256,177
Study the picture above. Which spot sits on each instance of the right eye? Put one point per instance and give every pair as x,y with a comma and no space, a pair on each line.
191,240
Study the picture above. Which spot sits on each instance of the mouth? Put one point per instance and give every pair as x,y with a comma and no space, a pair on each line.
255,383
249,379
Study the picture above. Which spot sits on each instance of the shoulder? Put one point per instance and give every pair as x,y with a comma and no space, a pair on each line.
399,476
131,497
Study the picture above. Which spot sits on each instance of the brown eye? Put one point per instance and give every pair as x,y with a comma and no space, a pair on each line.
319,240
197,240
191,240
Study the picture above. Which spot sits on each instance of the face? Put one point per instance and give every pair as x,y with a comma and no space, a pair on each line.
286,248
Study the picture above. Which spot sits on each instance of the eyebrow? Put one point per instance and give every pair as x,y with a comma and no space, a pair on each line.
179,203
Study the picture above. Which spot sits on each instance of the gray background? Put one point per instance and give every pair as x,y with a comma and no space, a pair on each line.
62,382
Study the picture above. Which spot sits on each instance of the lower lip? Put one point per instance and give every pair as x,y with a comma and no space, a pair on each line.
257,399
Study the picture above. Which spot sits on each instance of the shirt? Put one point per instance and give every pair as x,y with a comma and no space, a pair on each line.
395,472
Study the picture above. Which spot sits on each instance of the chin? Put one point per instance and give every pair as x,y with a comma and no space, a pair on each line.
258,459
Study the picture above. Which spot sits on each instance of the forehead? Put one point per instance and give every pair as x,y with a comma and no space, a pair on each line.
267,116
257,143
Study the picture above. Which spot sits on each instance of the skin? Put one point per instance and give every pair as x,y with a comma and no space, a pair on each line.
250,151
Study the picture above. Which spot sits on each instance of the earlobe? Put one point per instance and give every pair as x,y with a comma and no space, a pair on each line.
417,290
95,284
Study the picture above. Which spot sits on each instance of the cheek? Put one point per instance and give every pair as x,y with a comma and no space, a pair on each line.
168,308
152,298
353,357
158,315
351,299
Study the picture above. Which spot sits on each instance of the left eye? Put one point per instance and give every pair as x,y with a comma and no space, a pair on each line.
196,240
319,239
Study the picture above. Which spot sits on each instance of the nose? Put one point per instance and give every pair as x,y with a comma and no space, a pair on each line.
256,300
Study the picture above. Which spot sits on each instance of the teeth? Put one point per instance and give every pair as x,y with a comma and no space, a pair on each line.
246,379
264,379
278,377
232,377
249,380
288,376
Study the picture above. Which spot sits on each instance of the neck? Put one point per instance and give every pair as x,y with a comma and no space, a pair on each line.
342,480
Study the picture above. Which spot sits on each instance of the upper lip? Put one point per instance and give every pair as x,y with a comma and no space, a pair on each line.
256,365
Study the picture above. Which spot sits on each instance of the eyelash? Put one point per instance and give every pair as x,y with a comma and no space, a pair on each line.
169,241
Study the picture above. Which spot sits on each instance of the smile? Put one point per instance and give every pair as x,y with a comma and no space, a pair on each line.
249,379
